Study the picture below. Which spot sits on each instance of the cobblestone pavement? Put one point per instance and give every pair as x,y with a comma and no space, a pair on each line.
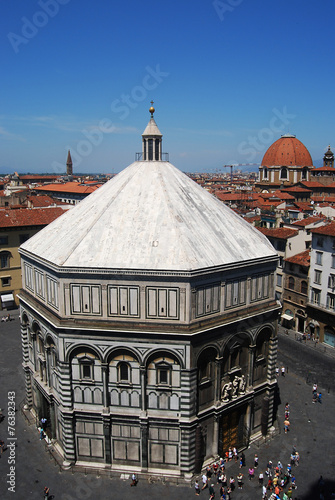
312,432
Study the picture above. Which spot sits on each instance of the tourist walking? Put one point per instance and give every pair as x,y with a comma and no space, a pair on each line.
204,481
197,488
46,492
240,480
286,425
251,473
283,371
261,478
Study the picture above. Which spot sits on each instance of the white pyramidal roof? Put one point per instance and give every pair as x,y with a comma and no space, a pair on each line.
150,216
152,129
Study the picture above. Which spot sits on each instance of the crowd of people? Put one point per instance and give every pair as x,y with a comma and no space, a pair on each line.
276,480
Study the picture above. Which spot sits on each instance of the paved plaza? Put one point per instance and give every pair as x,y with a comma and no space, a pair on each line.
312,432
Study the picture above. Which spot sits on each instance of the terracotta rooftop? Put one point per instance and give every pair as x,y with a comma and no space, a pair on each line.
282,232
307,221
312,184
43,200
287,151
69,187
303,205
328,230
324,169
320,199
283,196
297,189
36,177
303,258
29,217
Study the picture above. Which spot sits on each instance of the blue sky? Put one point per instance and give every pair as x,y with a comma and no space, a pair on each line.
227,78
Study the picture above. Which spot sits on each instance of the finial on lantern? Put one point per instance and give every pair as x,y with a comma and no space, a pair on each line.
152,109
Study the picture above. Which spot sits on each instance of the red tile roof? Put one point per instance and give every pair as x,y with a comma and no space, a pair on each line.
328,199
307,221
29,217
297,189
303,258
324,169
312,184
328,230
69,187
282,232
43,200
284,196
304,205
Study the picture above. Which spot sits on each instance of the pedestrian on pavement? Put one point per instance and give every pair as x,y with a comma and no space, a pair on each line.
232,483
197,487
43,422
256,461
315,387
208,472
283,371
251,473
264,492
133,480
240,480
46,492
315,397
211,491
277,371
261,478
41,434
243,459
319,397
286,425
204,481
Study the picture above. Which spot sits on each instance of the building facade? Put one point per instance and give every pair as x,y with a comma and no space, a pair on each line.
149,324
321,305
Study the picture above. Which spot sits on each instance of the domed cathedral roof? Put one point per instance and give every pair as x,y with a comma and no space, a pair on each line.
150,216
287,151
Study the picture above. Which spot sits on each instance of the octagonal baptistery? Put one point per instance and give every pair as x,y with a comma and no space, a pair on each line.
287,161
149,324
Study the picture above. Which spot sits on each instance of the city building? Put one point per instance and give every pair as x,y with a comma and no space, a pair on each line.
295,294
321,305
68,192
17,226
149,324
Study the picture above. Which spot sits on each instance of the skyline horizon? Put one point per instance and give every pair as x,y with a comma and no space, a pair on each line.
227,77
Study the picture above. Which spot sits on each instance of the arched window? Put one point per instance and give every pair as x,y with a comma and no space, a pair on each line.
123,372
291,283
304,174
304,287
283,173
4,259
265,173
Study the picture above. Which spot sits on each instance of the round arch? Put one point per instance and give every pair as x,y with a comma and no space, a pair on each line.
168,353
118,351
82,348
